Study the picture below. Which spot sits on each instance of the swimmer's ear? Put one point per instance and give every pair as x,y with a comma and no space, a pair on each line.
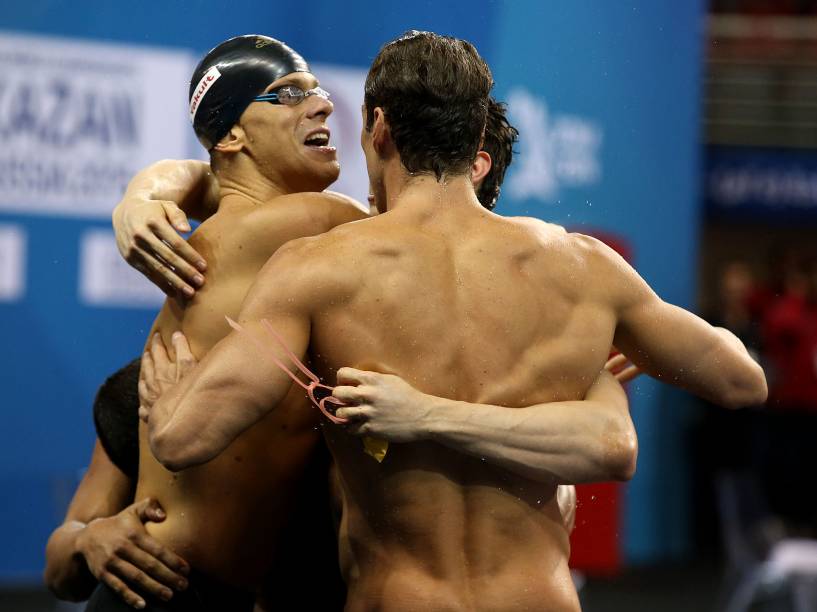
233,141
480,168
381,134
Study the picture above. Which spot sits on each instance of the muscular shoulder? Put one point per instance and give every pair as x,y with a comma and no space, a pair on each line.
257,232
580,247
538,226
594,269
320,210
608,276
313,266
331,207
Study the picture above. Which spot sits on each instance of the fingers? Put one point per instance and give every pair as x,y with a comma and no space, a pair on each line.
614,363
177,243
176,217
170,559
146,370
149,509
134,576
185,361
352,413
144,413
121,589
158,579
628,374
351,395
146,381
167,245
159,273
158,353
352,376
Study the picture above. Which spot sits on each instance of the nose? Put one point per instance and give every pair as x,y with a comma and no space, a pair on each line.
318,107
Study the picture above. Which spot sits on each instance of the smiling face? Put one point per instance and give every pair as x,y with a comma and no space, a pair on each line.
291,144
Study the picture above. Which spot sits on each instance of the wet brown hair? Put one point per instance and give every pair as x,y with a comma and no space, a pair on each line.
434,93
500,137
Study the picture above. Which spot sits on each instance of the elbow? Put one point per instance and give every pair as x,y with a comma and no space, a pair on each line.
170,452
53,582
621,455
750,389
177,451
61,586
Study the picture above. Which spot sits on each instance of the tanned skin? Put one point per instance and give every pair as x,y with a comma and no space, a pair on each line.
224,517
466,305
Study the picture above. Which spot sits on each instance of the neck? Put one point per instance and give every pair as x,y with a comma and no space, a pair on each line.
420,192
241,179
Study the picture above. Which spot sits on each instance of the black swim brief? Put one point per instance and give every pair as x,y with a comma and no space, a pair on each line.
203,594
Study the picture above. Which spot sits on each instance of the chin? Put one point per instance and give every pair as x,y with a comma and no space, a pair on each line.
329,173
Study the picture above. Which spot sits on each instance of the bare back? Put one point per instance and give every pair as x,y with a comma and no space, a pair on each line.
469,306
224,517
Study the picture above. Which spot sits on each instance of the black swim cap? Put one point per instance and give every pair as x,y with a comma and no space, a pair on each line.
230,76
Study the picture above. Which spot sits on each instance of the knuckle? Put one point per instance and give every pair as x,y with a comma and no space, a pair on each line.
138,575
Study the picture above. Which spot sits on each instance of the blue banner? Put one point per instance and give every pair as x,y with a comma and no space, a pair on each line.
772,185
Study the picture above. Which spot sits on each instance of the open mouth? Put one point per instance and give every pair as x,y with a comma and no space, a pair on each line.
319,140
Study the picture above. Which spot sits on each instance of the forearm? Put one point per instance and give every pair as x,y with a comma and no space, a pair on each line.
189,183
66,573
229,391
571,442
188,427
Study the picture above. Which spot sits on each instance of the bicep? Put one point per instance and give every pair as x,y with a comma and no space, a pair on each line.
238,381
664,340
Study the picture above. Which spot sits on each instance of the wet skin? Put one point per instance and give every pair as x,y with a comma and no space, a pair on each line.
246,494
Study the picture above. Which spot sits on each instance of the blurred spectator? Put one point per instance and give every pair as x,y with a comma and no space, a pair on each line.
790,340
736,289
789,436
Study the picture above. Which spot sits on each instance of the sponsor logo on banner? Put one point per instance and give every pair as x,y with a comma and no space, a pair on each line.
556,151
206,82
78,119
758,182
105,279
12,262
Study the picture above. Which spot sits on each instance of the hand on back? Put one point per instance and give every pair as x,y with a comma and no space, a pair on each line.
120,553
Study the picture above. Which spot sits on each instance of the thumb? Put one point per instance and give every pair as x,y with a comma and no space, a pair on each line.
149,509
176,216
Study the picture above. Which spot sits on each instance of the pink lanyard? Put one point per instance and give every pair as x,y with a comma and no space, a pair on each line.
315,381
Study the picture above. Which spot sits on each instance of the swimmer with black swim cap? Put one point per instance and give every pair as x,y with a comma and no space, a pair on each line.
261,114
254,68
230,76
